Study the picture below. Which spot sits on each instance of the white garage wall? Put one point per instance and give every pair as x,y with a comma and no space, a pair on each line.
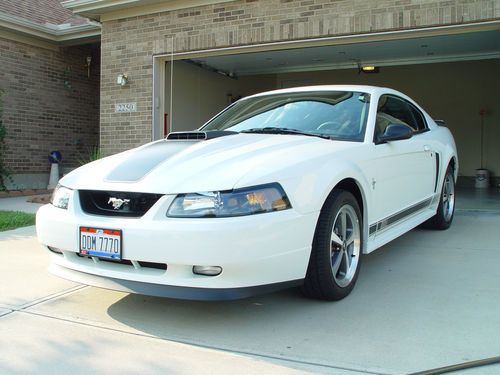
199,94
454,92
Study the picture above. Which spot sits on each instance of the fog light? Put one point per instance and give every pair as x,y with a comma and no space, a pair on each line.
207,270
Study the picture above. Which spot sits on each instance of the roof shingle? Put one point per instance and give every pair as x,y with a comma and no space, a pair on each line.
41,11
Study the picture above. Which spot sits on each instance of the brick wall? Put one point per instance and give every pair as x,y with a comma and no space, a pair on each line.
49,104
129,44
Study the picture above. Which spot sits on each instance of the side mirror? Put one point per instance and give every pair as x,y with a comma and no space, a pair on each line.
396,132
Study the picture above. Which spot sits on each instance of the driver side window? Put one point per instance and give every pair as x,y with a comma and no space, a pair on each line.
394,110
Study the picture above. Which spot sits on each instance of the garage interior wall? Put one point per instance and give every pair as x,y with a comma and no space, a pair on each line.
455,92
199,94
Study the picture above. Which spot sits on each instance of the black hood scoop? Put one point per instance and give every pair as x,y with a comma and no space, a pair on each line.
198,135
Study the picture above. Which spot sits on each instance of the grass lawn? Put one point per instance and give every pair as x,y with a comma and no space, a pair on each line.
15,219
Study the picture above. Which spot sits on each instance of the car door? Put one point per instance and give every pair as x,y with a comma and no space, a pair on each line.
403,171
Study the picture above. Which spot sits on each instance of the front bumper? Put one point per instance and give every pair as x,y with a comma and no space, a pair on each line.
160,290
262,251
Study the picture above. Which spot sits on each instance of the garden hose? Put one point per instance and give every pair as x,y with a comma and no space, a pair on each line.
460,366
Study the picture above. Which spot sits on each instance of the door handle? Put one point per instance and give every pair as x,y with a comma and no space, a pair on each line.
427,148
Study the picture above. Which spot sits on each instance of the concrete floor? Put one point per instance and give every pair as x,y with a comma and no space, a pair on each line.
34,340
470,198
428,299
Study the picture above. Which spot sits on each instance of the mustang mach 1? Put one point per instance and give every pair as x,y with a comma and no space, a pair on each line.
288,187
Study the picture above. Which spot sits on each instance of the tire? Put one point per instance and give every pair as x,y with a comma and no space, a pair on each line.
446,208
336,249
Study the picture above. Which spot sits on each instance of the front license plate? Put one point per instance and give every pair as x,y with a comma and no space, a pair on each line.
102,243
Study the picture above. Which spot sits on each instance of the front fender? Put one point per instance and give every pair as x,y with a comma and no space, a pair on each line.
309,192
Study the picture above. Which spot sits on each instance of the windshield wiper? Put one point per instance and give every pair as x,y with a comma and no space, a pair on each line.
271,130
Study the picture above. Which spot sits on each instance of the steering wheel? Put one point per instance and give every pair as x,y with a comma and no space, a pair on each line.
330,125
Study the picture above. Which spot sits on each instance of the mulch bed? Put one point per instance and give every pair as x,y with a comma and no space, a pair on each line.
45,198
24,193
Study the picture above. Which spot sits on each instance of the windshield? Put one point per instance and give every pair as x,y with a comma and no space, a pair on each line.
337,115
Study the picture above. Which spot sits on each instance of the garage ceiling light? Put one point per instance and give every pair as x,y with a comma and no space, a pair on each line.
369,69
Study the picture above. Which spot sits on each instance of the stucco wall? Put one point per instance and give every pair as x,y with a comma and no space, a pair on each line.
128,44
49,104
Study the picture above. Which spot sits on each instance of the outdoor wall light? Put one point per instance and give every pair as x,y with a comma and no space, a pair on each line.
87,65
122,79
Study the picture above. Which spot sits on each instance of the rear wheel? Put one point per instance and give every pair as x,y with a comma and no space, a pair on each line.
336,250
446,209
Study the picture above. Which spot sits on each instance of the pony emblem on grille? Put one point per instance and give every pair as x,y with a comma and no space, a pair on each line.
118,203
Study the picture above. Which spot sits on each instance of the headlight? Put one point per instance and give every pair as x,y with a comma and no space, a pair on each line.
239,202
60,197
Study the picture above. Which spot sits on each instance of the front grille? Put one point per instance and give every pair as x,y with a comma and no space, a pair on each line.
158,266
117,203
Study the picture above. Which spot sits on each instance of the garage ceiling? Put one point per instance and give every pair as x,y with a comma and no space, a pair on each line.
458,47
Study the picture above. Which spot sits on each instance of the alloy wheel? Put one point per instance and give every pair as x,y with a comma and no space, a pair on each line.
448,197
345,245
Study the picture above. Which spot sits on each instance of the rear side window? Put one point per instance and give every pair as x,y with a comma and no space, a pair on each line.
419,118
392,109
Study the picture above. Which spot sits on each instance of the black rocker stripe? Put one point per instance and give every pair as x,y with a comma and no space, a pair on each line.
390,220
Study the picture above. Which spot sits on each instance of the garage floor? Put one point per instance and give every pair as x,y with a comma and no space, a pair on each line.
470,198
428,299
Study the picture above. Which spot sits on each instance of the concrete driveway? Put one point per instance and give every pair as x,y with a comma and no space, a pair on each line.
426,300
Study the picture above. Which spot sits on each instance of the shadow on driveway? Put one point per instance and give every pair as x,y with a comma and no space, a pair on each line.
428,299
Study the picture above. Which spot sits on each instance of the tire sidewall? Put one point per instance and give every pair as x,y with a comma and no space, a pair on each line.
443,223
331,208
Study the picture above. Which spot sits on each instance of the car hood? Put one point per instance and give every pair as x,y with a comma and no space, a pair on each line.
172,167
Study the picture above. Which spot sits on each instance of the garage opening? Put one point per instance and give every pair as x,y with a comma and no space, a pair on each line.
454,77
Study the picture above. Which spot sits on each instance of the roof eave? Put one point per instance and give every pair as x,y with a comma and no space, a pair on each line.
94,8
105,10
58,35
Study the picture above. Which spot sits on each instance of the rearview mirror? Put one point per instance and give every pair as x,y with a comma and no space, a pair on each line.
395,132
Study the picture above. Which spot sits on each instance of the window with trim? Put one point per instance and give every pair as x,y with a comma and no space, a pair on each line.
394,110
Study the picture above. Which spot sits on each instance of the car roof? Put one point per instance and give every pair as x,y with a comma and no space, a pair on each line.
372,90
357,88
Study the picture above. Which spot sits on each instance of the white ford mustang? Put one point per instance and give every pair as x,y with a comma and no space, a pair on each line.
289,187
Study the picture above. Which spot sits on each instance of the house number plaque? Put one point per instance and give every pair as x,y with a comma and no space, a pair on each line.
125,107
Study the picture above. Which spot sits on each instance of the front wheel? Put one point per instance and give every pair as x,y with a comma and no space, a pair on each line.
336,250
446,208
